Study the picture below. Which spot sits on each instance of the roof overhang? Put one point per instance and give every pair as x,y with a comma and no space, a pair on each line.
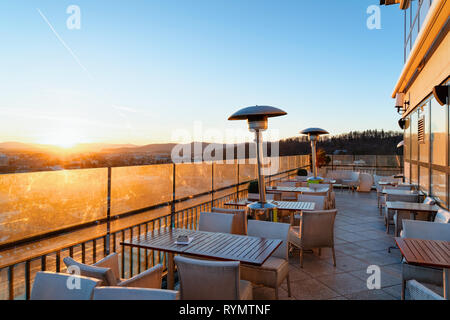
434,23
404,4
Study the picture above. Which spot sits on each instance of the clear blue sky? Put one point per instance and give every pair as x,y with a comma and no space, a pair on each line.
147,68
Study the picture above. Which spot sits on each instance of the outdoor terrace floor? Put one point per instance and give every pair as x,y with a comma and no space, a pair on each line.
360,241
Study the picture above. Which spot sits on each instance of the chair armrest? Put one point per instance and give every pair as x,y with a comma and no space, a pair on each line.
418,291
150,278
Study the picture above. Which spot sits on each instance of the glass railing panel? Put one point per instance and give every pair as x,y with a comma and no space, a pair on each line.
40,202
192,179
247,170
225,175
138,187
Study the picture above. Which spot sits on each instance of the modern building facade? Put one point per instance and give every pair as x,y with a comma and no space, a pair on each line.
421,95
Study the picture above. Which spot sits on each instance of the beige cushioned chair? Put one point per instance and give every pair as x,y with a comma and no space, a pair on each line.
53,286
417,291
215,222
107,271
428,231
389,214
276,268
120,293
239,225
211,280
316,230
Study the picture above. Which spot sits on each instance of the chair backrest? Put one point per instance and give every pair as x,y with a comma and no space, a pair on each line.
429,200
208,280
110,261
317,228
215,222
407,187
121,293
288,196
442,216
319,200
253,196
401,197
319,186
105,275
418,291
62,286
302,184
239,225
426,230
354,176
317,192
271,230
287,184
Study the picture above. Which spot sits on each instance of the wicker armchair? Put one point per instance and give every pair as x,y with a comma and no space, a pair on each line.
316,230
107,271
53,286
276,268
429,231
211,280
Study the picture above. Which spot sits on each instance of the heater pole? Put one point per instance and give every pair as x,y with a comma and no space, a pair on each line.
259,155
314,159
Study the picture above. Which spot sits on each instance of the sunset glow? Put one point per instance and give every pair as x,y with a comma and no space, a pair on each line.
64,138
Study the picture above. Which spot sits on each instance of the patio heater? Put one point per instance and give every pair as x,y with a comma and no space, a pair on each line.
313,134
257,121
400,176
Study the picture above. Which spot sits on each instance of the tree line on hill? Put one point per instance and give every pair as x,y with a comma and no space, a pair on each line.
368,142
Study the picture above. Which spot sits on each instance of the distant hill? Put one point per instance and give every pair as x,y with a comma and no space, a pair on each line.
359,143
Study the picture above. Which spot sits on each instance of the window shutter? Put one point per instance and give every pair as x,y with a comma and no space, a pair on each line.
421,130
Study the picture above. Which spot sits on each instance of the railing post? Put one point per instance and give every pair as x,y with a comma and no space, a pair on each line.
237,183
212,185
108,214
376,164
172,206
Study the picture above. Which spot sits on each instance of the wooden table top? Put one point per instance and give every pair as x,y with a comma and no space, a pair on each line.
430,253
400,192
411,206
387,183
220,246
282,205
294,205
296,189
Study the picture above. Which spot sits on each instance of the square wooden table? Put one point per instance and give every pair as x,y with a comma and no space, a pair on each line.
214,245
291,206
296,189
400,192
428,253
412,207
282,205
387,183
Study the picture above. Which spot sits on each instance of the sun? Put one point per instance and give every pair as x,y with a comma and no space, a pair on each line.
63,138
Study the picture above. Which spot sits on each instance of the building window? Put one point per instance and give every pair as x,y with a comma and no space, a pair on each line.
407,149
439,152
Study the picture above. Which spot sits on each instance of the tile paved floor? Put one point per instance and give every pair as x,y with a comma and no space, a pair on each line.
361,241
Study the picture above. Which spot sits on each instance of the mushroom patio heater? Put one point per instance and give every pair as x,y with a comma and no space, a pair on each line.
257,121
313,134
400,176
